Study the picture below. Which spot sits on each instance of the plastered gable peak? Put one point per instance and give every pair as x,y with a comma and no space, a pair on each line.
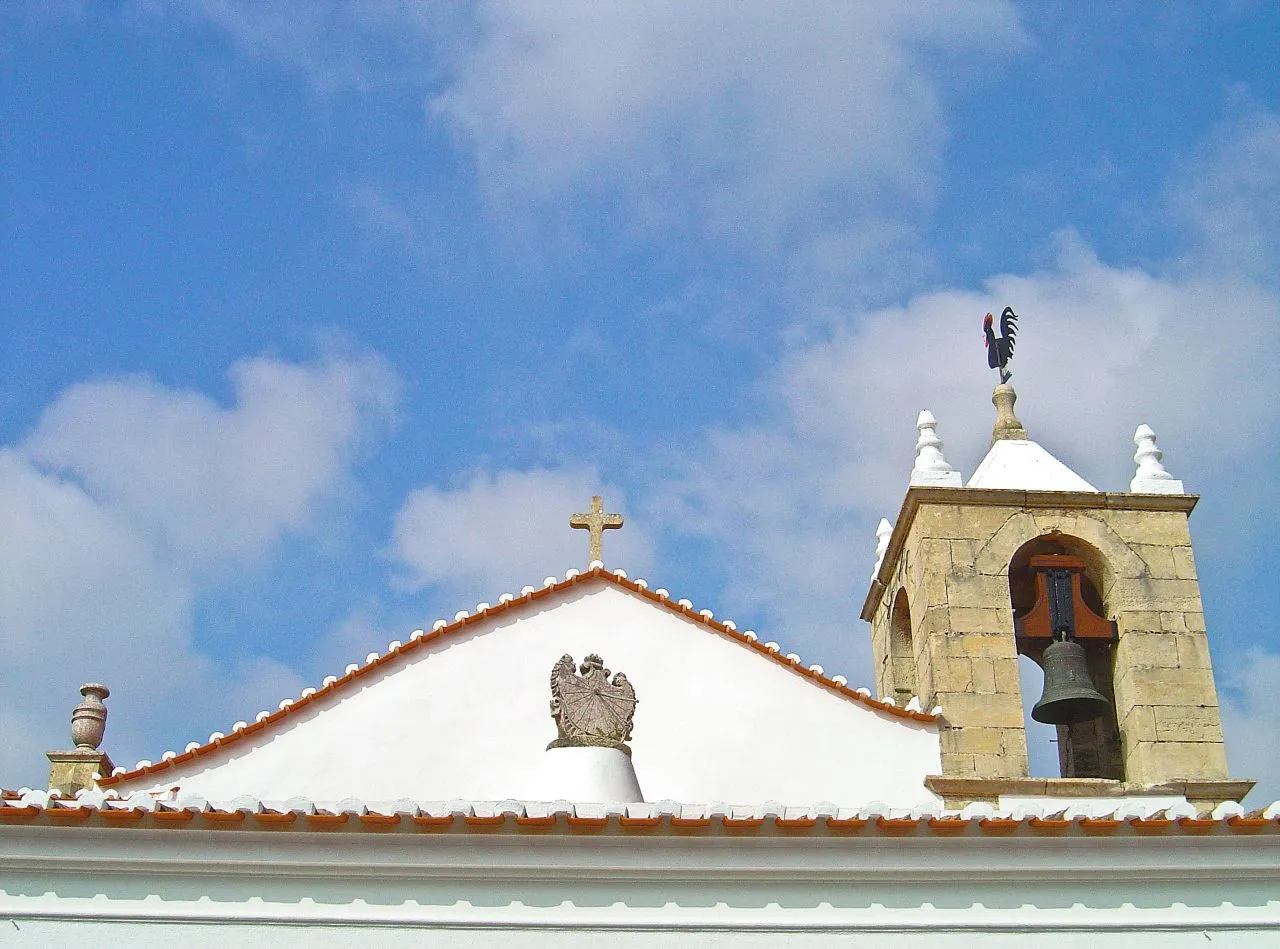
467,623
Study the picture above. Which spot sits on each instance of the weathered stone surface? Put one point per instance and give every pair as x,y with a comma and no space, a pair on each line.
72,771
966,710
972,741
1159,560
1137,725
588,708
1187,723
989,645
981,620
1156,686
1146,649
982,677
1160,596
1193,648
976,591
954,522
1184,563
1165,528
1160,761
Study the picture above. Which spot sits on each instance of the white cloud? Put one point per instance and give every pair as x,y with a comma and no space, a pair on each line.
112,511
211,482
764,121
498,532
1251,721
1229,193
334,46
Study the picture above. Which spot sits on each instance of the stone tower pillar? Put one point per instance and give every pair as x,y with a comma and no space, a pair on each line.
943,613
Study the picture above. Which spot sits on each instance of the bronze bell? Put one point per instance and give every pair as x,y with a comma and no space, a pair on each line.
1069,695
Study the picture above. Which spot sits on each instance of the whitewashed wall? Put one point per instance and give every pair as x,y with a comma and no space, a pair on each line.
63,886
468,718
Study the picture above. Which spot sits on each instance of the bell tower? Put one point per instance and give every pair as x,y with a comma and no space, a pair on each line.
1098,588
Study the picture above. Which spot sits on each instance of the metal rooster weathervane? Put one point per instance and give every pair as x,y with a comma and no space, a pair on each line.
1000,348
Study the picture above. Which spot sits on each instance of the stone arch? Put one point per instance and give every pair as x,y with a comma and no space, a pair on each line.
1108,554
902,656
1085,749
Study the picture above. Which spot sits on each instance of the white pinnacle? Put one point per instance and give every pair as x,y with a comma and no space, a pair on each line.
884,530
1151,477
931,466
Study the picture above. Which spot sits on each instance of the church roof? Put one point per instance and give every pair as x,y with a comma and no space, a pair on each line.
506,604
1125,819
1025,465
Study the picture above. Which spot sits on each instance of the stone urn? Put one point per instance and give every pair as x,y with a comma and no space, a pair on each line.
89,718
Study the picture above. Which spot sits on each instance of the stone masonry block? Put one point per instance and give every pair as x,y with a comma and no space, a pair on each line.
1138,725
930,588
1160,596
1193,649
936,622
1184,563
976,591
1145,620
983,676
1157,528
988,645
1140,649
1188,723
1008,679
972,741
981,619
1158,686
963,553
1156,762
957,765
1159,560
996,766
953,522
953,675
1173,622
966,710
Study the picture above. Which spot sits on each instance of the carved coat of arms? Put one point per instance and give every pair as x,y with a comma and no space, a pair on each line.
589,709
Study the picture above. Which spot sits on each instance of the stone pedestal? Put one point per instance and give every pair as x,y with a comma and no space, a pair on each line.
587,774
72,771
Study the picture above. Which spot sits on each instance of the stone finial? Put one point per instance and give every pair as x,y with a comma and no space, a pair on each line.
590,710
931,466
1007,425
75,770
89,718
1151,476
884,530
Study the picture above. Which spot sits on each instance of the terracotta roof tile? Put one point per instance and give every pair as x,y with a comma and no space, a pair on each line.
509,603
516,817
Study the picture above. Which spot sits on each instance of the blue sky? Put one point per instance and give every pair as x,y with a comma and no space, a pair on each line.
319,320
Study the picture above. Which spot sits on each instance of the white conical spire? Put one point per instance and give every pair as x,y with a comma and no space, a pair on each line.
931,466
1151,477
884,530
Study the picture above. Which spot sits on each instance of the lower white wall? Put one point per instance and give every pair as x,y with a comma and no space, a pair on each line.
69,886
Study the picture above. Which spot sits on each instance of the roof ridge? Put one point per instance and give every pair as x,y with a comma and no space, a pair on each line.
507,601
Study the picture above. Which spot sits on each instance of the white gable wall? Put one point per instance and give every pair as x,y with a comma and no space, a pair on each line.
468,717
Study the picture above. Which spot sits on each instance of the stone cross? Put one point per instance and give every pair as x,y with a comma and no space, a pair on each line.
597,522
